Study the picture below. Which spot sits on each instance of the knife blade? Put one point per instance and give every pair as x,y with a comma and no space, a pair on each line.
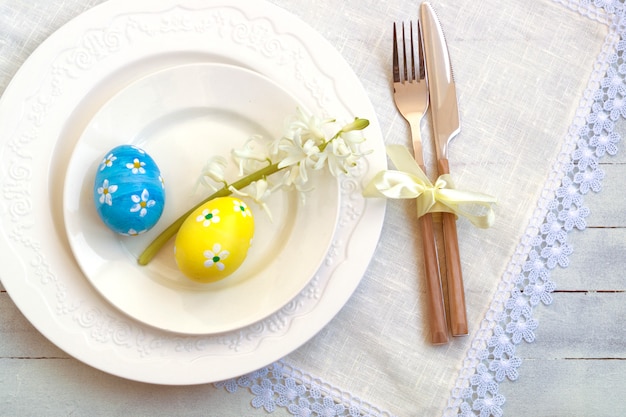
446,125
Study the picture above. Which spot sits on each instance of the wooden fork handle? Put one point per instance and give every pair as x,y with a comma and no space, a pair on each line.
437,312
456,291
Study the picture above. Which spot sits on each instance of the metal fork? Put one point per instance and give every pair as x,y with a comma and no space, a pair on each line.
411,97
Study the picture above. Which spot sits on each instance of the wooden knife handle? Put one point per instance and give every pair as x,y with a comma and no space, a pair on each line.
437,311
456,291
436,306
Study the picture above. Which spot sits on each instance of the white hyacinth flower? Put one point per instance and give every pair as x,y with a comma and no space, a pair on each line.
253,156
308,126
213,173
305,147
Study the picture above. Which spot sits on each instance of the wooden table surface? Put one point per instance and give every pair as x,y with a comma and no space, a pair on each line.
576,366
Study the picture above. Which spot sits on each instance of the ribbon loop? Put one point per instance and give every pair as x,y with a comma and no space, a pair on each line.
410,182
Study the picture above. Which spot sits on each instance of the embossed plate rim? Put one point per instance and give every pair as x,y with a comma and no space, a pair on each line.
54,95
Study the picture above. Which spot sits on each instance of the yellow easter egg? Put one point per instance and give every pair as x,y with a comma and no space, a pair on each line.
214,240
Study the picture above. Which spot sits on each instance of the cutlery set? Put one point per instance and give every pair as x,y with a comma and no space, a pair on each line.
419,84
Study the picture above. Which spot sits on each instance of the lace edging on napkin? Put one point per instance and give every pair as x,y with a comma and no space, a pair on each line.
282,385
526,283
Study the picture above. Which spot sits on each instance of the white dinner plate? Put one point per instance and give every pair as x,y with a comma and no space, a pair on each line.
57,93
181,116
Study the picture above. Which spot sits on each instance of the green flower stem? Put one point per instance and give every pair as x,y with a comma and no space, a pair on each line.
156,245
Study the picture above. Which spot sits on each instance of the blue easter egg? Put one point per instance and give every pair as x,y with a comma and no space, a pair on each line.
129,192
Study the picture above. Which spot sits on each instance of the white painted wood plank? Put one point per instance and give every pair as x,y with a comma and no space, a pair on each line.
66,387
608,207
580,325
577,364
18,338
573,388
597,262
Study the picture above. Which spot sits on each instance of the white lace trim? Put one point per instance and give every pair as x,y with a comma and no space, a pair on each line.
282,385
526,282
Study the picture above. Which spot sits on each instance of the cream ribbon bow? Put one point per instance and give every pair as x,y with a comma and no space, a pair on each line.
409,181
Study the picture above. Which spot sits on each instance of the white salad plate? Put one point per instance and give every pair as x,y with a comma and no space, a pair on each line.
56,99
181,116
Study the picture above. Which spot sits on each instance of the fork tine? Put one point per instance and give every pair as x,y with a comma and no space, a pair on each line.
412,53
396,67
406,72
420,53
407,75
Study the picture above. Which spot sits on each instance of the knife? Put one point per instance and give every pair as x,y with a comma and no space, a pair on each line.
446,125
